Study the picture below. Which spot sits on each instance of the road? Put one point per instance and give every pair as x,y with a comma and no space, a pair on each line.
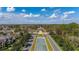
44,43
40,44
54,44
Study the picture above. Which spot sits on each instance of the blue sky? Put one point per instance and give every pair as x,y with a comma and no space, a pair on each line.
39,15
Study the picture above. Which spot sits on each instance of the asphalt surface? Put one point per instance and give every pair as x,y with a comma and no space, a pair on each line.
54,44
40,44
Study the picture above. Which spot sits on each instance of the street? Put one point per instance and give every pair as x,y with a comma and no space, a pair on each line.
44,43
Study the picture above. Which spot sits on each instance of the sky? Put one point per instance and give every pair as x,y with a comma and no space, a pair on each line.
39,15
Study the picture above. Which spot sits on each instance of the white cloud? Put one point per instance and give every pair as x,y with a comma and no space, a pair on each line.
10,9
21,15
36,15
27,15
23,10
43,9
69,12
8,15
53,16
64,16
31,15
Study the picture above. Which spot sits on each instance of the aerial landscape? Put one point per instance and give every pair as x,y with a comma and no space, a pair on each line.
39,29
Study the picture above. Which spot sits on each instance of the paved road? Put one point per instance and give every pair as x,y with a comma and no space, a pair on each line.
40,44
43,44
54,44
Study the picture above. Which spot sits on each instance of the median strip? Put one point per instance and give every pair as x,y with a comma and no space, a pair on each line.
34,44
49,46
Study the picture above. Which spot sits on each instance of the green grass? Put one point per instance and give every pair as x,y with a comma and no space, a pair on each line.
48,45
34,44
63,43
